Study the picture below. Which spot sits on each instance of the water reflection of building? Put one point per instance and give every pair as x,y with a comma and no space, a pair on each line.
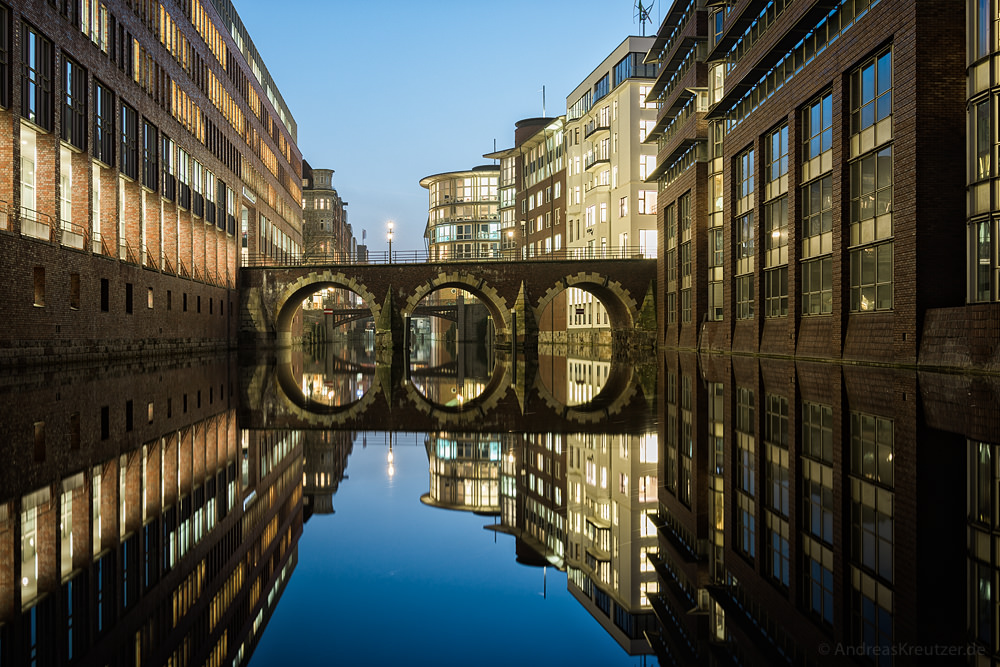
135,519
337,374
324,462
611,486
806,507
464,471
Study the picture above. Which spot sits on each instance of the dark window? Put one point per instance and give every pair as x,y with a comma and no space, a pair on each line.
170,300
39,442
185,305
74,291
128,415
104,124
150,172
105,422
199,303
4,56
130,142
167,159
39,278
74,108
36,77
105,295
220,203
128,298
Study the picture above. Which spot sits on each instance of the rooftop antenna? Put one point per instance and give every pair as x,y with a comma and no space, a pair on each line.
641,14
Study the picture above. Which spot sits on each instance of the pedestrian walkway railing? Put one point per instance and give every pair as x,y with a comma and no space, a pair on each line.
426,257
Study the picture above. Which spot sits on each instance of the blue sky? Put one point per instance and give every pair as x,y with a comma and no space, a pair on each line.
386,93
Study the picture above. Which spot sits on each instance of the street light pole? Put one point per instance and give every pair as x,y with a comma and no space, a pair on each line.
390,241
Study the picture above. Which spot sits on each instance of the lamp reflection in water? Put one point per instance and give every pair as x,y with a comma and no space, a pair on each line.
390,459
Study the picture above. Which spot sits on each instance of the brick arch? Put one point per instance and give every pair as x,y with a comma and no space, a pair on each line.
617,392
292,295
497,306
320,414
622,307
471,411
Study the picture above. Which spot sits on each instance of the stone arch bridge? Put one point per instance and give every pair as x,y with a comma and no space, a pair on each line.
515,293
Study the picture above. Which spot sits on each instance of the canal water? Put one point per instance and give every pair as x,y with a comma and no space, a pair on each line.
459,505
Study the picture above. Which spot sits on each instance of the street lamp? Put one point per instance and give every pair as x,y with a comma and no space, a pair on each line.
389,236
510,241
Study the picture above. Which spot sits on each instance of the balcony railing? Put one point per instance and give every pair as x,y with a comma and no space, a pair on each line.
595,126
6,223
36,225
73,235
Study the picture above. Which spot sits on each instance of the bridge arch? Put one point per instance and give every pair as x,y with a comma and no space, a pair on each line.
496,305
292,295
620,304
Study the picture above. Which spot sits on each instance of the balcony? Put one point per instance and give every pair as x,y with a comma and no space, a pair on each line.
596,158
594,127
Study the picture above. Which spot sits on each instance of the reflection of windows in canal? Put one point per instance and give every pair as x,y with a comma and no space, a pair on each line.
777,487
817,507
872,526
746,470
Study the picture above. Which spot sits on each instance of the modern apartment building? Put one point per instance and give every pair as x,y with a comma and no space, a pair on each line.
532,185
325,229
533,201
610,210
148,154
463,218
790,223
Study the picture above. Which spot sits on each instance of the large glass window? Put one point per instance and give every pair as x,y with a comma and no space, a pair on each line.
104,124
5,59
871,92
36,77
982,147
817,286
871,186
150,169
129,142
817,127
74,108
981,29
981,260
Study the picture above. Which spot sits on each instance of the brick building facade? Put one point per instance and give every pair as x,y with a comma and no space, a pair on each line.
790,224
149,153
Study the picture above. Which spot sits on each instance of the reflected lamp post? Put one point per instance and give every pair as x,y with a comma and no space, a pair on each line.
389,236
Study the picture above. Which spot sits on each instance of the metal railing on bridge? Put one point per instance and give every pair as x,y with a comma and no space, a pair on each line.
426,256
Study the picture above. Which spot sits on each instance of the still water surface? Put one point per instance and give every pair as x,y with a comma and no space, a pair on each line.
562,509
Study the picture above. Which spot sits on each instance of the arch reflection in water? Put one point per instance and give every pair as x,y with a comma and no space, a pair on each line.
161,532
338,373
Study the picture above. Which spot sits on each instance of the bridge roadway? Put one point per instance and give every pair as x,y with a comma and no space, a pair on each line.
515,293
514,400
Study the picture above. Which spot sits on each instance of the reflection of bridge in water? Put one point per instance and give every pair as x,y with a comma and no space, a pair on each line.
514,398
